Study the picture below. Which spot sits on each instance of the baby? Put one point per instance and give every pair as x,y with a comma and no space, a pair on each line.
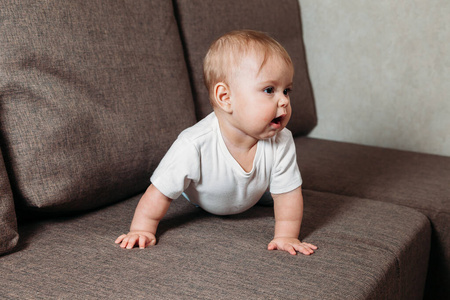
228,160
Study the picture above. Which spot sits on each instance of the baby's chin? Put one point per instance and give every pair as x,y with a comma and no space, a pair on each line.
271,133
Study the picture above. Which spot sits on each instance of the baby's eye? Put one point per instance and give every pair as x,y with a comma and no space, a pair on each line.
287,91
269,90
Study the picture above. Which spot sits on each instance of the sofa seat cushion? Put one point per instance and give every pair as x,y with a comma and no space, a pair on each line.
367,250
92,94
280,19
415,180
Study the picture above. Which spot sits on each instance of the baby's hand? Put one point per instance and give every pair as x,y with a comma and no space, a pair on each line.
291,245
138,238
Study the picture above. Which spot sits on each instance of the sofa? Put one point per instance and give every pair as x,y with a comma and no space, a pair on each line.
93,93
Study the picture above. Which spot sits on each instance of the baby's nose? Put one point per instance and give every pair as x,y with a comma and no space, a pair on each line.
283,102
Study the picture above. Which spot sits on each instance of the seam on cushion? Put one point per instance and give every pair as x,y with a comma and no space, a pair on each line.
316,119
176,15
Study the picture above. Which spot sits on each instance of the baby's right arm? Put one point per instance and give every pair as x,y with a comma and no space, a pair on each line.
151,209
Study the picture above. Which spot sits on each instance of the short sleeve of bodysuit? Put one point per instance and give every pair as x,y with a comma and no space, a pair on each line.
285,175
180,164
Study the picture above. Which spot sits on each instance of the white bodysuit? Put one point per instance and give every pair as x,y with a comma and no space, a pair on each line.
200,165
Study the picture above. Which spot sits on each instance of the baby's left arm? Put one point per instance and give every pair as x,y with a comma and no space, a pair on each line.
288,209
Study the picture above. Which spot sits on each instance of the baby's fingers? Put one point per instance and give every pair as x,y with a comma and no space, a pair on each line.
286,247
291,249
272,246
120,239
310,246
127,241
145,241
132,240
305,248
142,242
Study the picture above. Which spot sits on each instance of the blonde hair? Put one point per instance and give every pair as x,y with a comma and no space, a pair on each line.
225,53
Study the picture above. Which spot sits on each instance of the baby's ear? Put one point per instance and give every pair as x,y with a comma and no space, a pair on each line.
222,97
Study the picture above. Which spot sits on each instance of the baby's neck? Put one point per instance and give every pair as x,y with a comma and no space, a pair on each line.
241,146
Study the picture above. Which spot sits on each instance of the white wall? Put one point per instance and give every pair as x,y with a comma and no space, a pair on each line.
380,71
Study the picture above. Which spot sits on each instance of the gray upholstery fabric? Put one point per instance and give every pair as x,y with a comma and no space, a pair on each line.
367,250
279,18
92,94
8,222
415,180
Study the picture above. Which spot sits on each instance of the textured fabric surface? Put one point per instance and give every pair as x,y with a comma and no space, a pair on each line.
92,94
416,180
367,250
8,222
201,22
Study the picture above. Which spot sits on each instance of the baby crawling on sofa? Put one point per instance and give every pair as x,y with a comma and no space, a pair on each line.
227,161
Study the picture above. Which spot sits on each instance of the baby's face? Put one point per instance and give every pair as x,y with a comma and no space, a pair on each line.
260,96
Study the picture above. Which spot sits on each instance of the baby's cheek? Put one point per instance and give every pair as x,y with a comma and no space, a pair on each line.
267,119
289,113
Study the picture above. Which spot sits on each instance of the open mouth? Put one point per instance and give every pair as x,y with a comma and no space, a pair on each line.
277,120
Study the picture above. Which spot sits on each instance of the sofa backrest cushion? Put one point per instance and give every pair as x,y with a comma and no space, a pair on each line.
201,22
92,94
8,222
